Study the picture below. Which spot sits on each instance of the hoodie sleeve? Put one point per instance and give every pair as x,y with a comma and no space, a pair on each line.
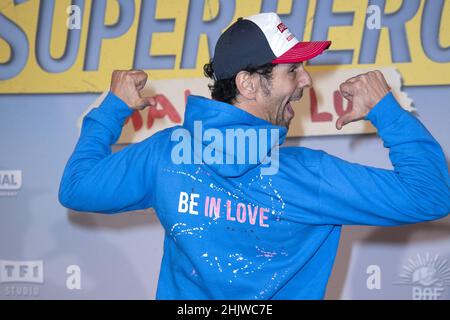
98,181
417,189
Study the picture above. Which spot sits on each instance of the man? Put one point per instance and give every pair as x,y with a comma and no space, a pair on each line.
234,230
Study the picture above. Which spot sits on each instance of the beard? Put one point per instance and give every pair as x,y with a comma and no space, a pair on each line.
282,120
286,112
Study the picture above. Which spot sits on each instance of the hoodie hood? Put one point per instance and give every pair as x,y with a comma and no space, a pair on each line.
230,136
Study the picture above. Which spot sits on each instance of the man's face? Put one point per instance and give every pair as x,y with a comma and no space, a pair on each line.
286,85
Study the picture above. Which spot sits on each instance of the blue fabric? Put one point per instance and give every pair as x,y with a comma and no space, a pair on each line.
246,235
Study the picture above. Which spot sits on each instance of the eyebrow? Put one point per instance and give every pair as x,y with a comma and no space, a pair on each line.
295,65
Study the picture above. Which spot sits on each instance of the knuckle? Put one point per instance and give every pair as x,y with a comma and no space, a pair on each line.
346,87
128,75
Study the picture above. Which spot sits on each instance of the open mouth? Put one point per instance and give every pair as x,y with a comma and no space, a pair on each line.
289,109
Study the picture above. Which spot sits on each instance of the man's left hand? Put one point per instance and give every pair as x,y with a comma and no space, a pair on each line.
364,91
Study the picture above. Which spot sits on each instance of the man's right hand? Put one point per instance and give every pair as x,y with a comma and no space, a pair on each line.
127,84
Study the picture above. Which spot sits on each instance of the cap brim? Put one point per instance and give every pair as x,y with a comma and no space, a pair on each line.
303,51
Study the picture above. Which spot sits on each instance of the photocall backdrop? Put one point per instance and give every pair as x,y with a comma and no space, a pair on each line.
56,59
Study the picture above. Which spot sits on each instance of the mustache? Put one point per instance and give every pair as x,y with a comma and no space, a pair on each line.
296,98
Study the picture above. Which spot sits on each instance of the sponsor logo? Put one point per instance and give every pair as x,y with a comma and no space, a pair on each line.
21,274
428,276
21,271
10,182
281,27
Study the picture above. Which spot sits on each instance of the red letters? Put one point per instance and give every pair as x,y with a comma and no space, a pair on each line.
167,110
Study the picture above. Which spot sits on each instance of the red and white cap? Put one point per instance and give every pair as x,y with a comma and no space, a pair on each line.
257,40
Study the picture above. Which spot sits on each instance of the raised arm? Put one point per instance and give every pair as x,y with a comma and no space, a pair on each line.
417,189
96,180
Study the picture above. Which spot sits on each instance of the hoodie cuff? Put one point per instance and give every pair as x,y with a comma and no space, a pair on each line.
112,113
385,112
114,106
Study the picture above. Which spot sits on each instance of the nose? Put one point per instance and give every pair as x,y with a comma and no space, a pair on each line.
305,80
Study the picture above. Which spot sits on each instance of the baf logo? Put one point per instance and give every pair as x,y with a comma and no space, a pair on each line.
21,272
10,182
427,276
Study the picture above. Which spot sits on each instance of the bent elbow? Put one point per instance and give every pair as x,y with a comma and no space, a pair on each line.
441,210
435,205
67,196
64,197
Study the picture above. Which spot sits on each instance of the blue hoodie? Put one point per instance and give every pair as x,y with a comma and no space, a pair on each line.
234,233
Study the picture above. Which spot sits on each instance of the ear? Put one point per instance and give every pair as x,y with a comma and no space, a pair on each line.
246,85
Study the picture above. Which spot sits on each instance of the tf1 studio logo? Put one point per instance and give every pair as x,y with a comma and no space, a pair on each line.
15,274
10,182
427,275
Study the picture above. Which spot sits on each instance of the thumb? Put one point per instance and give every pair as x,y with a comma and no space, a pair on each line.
343,120
150,101
146,102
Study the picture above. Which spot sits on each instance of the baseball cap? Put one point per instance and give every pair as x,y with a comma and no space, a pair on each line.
257,40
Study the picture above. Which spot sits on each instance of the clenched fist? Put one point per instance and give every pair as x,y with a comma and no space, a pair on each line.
364,91
127,84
